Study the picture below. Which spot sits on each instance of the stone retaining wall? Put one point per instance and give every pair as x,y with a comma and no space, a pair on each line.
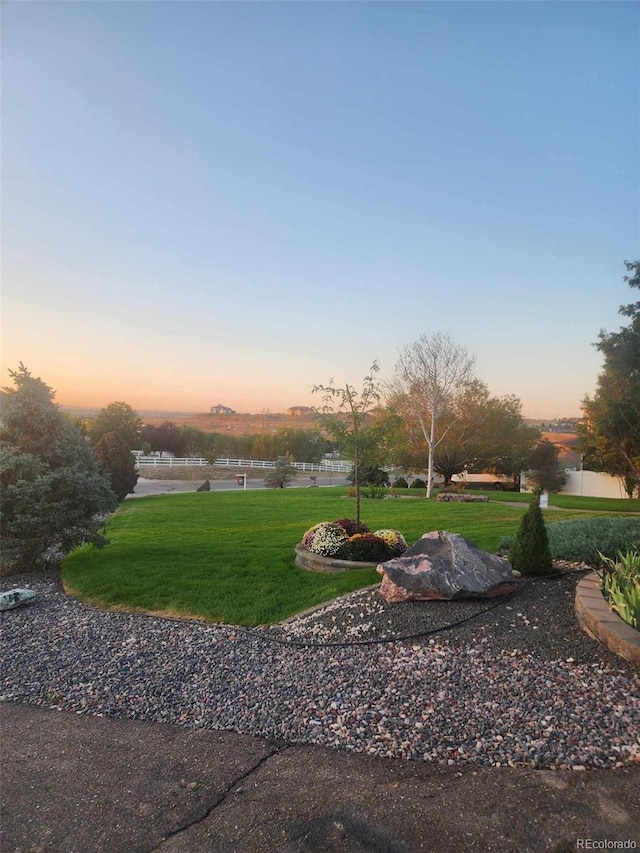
316,563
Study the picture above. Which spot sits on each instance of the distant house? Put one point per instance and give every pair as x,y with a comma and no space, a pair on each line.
564,425
300,411
221,410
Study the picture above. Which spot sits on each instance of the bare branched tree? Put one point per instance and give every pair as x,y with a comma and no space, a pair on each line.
428,376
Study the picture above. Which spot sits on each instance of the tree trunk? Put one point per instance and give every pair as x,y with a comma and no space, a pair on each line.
356,480
432,439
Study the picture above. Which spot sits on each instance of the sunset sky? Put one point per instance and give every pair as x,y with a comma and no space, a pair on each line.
231,202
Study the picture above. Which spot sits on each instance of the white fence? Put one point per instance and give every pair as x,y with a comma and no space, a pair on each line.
177,462
587,483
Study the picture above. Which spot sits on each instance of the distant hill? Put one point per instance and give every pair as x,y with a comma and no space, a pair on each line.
92,411
238,424
567,444
269,422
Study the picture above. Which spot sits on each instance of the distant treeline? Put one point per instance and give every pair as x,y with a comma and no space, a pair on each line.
299,445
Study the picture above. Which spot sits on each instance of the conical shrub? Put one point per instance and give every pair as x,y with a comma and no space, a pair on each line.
530,553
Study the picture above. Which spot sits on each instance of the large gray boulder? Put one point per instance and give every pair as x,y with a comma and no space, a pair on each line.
443,565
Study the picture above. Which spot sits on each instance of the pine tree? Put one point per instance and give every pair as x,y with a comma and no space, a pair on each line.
530,553
54,495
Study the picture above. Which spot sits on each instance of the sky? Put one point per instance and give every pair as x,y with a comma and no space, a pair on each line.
232,202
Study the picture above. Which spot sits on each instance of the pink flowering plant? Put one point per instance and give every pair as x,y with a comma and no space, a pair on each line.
352,526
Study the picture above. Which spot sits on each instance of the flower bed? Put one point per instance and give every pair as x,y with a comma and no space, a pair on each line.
343,544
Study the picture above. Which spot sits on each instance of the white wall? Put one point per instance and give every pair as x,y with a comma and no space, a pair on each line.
589,484
594,485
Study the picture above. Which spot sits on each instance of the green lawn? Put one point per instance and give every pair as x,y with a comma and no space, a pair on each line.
229,556
619,507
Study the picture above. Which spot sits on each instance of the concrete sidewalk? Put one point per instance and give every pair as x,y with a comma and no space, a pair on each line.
79,783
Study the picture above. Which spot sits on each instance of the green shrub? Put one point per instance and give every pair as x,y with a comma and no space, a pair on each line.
371,492
283,474
374,492
418,484
54,495
365,547
116,460
505,545
530,554
589,540
400,483
586,540
369,476
620,580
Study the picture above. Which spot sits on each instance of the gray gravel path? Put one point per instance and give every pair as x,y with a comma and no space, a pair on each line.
518,685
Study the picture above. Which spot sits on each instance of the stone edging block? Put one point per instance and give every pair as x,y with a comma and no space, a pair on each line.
600,621
317,563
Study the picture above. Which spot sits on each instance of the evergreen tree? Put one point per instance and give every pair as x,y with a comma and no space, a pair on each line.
54,495
117,461
530,553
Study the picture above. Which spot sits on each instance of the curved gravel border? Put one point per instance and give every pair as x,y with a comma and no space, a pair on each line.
518,685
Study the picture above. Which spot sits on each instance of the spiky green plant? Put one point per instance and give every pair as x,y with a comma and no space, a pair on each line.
620,579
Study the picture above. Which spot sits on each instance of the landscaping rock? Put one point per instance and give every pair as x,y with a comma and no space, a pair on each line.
447,497
205,487
443,565
13,598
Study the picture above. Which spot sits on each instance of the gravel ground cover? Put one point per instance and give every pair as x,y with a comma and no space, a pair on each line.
519,684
